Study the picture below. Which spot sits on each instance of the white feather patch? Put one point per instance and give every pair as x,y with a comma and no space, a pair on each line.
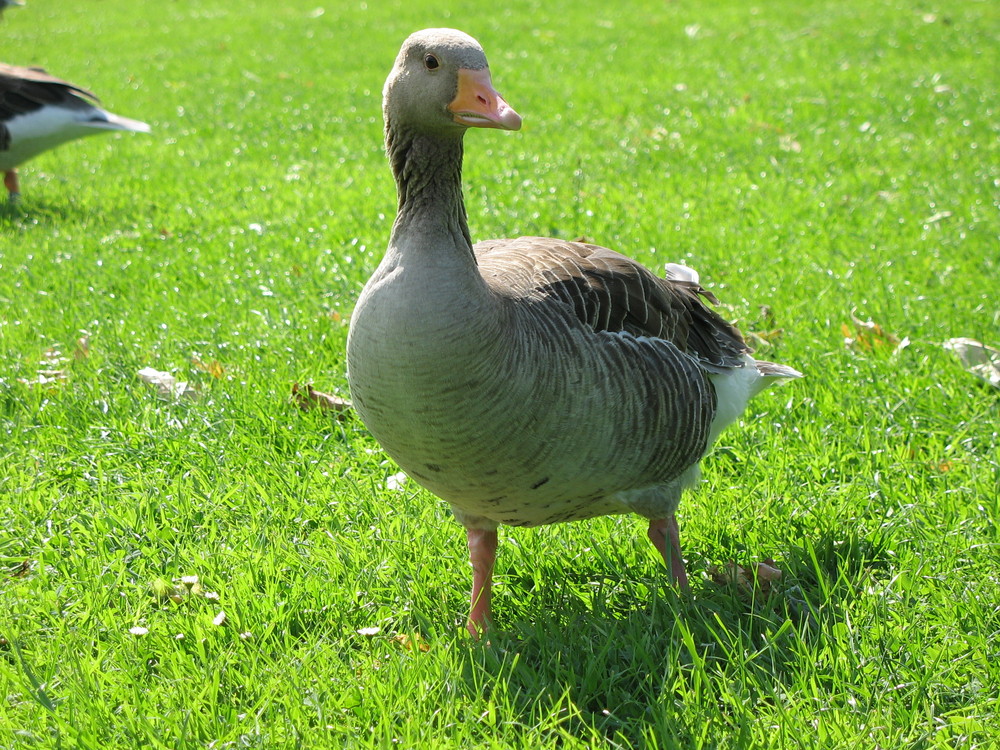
734,389
678,272
48,127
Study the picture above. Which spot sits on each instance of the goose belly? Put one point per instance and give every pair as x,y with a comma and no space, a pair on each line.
38,131
527,430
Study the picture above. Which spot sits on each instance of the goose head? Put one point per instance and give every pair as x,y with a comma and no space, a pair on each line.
440,86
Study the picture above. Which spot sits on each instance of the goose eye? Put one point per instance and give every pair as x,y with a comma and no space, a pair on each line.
431,62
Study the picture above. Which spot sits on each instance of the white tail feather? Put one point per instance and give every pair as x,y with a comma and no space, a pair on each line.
736,387
117,122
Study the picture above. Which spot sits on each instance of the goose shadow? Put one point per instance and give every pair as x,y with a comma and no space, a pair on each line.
28,211
612,661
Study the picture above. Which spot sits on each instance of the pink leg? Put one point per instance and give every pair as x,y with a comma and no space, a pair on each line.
664,530
482,555
13,187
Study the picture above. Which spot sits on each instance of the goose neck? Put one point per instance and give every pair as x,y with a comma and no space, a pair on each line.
428,173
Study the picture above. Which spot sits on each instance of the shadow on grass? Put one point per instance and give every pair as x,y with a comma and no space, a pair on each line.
32,211
634,657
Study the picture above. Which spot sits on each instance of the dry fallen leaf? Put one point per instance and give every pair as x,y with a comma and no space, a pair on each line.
52,358
308,398
82,350
412,643
22,570
981,360
166,385
213,368
869,336
940,215
51,373
765,338
758,576
47,378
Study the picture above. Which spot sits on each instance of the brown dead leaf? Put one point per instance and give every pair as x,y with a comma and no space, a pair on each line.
213,368
766,571
869,336
765,338
308,398
761,125
22,570
82,350
766,330
412,643
758,577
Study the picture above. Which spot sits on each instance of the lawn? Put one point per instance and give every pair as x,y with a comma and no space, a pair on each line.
222,570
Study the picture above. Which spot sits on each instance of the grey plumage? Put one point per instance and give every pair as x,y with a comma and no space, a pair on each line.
531,380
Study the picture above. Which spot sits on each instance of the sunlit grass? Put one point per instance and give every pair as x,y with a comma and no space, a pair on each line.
815,162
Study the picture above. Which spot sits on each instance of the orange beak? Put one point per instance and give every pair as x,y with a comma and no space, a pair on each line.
478,105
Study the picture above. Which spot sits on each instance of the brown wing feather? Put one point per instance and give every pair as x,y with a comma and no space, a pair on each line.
24,90
610,292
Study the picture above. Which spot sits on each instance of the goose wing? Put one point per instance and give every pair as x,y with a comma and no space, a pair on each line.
610,292
23,90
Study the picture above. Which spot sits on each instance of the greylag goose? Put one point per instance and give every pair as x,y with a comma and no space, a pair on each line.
39,112
528,381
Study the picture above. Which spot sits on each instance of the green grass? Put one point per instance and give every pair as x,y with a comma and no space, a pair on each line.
817,158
